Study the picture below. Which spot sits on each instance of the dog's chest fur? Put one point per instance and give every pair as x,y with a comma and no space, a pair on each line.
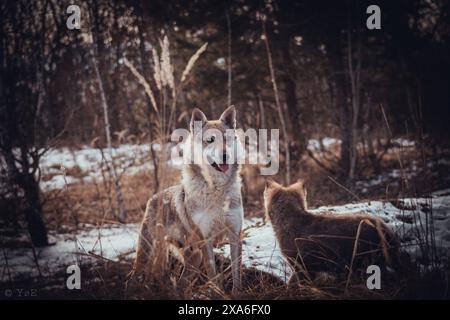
214,210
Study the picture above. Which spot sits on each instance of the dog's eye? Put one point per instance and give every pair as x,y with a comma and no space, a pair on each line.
210,139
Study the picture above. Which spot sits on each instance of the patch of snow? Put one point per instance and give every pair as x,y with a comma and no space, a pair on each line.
416,222
108,242
405,143
328,142
319,145
260,249
394,174
127,157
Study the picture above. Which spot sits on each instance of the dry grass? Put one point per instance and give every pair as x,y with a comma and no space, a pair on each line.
89,202
106,280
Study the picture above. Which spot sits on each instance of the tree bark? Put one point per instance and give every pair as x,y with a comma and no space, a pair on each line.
118,191
355,85
297,140
341,94
36,226
229,85
278,105
115,94
290,88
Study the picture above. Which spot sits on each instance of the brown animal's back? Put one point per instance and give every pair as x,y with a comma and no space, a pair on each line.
325,242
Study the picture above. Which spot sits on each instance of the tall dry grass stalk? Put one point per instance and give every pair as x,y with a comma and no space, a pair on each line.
157,69
192,61
164,76
143,82
167,69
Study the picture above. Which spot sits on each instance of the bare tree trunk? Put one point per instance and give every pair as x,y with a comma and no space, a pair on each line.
36,226
227,14
290,87
369,138
355,85
298,140
262,113
340,89
24,180
33,211
278,105
118,191
115,92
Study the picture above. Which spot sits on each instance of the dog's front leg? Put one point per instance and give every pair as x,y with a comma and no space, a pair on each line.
236,256
209,261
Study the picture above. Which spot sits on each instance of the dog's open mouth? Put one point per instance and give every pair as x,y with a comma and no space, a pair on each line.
220,167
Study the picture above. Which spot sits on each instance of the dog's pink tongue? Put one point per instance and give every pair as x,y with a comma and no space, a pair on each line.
223,167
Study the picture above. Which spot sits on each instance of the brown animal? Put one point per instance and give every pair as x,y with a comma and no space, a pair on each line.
315,243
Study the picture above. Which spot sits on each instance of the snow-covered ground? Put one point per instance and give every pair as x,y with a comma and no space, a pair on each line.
260,248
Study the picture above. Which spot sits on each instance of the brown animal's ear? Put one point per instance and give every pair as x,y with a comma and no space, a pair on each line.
270,183
299,188
197,115
228,117
299,185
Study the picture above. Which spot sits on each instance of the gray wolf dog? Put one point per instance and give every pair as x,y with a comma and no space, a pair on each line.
204,208
323,243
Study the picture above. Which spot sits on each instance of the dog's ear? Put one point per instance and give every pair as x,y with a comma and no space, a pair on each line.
228,117
270,183
197,115
299,185
300,189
